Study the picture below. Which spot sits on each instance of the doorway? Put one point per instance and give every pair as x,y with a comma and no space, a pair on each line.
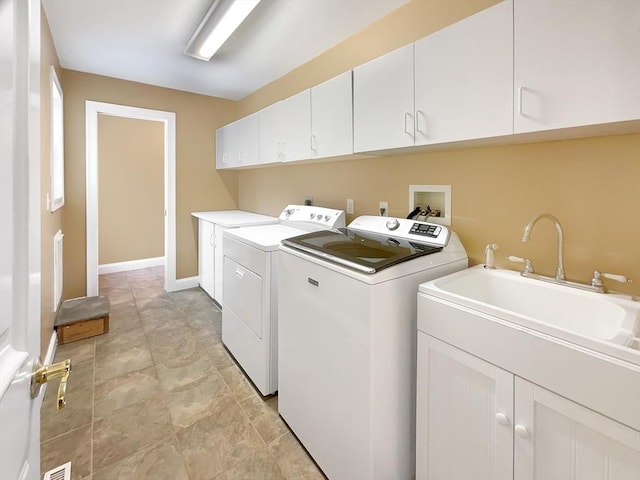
93,110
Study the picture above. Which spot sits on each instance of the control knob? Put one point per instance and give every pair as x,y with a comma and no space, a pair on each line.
393,224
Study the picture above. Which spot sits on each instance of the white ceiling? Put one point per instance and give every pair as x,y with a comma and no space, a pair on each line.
144,40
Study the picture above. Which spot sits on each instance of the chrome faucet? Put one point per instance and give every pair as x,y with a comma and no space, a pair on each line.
560,275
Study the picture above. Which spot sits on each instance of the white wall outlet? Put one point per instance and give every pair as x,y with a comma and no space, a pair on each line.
350,206
384,209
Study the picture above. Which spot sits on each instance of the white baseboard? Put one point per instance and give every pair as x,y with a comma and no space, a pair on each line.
130,265
51,350
183,284
48,360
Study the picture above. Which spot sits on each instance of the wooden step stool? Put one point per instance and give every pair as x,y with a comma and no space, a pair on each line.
82,318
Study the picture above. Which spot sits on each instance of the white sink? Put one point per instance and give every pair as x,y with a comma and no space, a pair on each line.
608,323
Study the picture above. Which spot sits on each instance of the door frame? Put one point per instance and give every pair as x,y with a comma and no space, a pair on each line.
93,109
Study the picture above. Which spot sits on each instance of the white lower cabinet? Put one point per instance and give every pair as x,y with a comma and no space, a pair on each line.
475,420
206,261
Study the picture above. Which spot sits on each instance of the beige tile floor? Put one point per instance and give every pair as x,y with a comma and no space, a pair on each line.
159,397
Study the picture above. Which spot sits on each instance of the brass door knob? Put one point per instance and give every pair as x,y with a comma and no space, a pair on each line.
43,373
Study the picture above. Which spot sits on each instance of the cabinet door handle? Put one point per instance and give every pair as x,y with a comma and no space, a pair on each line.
212,240
406,130
314,143
522,431
520,90
502,419
239,274
420,113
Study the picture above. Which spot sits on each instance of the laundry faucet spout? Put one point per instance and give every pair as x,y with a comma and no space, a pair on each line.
560,275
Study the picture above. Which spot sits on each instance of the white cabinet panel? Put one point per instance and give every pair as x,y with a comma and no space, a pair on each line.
270,137
218,262
245,140
285,129
383,102
576,63
238,143
464,420
295,125
206,241
223,160
565,440
464,79
332,117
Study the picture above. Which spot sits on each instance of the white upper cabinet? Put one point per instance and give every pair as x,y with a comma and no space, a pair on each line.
295,124
464,79
237,144
383,102
270,139
222,155
332,117
576,63
285,129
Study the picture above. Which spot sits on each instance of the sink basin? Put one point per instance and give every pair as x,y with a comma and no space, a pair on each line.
608,323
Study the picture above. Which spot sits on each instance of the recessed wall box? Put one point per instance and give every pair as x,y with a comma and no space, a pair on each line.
437,197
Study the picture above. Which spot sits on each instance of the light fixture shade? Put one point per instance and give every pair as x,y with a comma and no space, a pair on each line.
220,21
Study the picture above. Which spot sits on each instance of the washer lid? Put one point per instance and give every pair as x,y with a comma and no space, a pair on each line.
363,251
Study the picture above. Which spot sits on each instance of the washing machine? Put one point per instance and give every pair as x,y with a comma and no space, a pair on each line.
347,340
250,286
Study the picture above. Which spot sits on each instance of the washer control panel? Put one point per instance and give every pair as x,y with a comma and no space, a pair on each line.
426,229
402,228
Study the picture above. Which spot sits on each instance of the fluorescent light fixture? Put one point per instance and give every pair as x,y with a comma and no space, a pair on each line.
220,21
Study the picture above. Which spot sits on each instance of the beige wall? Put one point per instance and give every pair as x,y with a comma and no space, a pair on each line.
130,189
407,24
590,184
50,222
198,185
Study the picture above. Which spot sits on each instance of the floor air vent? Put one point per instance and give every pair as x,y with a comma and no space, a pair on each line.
63,472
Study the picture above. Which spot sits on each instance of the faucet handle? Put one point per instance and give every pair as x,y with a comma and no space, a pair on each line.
528,265
596,281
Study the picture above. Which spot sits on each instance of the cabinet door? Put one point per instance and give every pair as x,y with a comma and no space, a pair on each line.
223,160
332,117
576,63
295,126
205,256
218,262
464,79
246,140
383,102
557,438
464,415
270,137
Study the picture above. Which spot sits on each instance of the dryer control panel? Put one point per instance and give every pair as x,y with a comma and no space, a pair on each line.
328,218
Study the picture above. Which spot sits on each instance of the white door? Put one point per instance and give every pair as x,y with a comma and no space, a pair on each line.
464,79
295,121
332,117
464,415
383,102
557,438
576,63
206,260
20,238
